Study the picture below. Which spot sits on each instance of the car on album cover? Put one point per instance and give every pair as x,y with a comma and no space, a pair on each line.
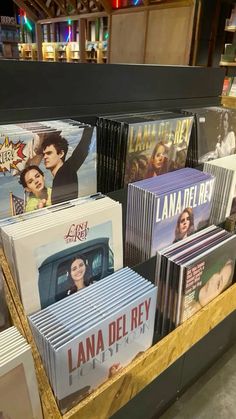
54,278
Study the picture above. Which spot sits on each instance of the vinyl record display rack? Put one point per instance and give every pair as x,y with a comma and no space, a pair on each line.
169,366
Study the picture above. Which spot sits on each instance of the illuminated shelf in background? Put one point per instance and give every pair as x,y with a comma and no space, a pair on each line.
229,101
228,63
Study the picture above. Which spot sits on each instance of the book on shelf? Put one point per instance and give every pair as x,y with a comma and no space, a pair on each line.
88,338
232,91
45,163
231,22
227,86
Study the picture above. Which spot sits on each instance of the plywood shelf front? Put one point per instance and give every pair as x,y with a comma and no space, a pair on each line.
117,391
228,64
229,101
230,28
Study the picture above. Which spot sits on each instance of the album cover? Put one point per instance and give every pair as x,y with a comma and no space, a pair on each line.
216,130
72,250
87,353
156,147
180,213
43,164
224,199
207,277
140,145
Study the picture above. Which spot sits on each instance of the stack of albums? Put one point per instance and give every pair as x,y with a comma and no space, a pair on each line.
19,396
87,338
167,209
140,146
213,134
45,163
57,253
191,273
224,200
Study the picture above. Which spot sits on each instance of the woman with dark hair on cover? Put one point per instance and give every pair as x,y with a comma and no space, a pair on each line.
158,163
185,224
226,143
33,181
80,274
213,286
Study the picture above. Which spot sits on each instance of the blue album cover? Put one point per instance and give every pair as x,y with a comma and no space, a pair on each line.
181,212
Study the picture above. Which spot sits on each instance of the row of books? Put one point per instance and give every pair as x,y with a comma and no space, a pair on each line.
229,86
229,55
49,162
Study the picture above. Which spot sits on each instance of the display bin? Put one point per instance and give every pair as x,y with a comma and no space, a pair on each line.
102,89
117,391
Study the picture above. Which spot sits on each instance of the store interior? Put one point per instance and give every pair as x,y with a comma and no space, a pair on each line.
92,68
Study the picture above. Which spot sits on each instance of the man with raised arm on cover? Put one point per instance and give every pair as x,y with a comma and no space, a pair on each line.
64,172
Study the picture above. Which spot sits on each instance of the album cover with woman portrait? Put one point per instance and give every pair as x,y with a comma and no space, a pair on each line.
59,253
135,146
167,208
45,163
181,212
207,276
157,147
169,273
216,132
96,340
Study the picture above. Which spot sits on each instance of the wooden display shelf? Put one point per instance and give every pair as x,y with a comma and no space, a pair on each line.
229,101
117,391
228,64
230,28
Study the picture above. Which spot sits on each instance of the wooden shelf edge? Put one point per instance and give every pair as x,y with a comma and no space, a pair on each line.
230,28
228,64
229,101
49,406
117,391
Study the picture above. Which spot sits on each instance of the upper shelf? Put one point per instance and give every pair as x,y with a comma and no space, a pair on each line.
229,101
228,63
230,28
